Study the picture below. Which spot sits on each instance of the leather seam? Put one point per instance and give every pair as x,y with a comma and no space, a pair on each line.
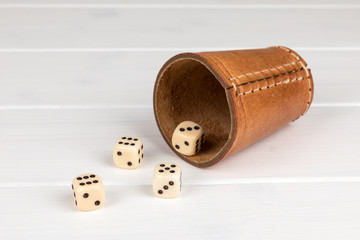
221,68
273,76
297,58
272,85
264,70
234,85
262,79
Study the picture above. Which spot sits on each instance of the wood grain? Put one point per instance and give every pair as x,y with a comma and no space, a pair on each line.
52,146
176,3
125,28
249,211
95,79
77,75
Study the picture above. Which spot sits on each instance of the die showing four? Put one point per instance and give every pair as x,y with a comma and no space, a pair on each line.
88,192
167,180
188,138
128,152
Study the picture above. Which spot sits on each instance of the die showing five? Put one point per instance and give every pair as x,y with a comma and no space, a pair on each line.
167,180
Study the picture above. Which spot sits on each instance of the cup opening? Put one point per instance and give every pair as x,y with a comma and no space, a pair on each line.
187,90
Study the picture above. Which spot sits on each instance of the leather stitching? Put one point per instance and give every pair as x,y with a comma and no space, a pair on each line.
273,85
261,71
281,74
264,70
297,58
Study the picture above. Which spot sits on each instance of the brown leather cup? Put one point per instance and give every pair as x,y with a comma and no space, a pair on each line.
238,96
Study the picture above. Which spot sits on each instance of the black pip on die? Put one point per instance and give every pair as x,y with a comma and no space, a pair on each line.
167,180
188,138
88,192
128,152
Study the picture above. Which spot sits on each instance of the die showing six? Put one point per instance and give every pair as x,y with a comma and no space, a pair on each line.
88,192
128,152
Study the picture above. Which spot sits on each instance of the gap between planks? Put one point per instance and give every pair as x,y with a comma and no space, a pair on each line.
139,106
279,180
140,49
75,107
183,6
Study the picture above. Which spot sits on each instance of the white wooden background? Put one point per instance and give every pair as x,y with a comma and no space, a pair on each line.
75,75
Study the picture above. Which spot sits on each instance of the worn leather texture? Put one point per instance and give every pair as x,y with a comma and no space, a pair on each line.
238,96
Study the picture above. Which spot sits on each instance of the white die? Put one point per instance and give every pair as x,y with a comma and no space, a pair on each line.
188,138
167,180
128,153
88,192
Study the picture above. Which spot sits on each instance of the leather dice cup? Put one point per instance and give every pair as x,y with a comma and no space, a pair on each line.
237,96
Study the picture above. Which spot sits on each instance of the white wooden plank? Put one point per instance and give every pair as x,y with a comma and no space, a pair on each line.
79,79
254,211
51,146
113,28
333,74
179,2
127,78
